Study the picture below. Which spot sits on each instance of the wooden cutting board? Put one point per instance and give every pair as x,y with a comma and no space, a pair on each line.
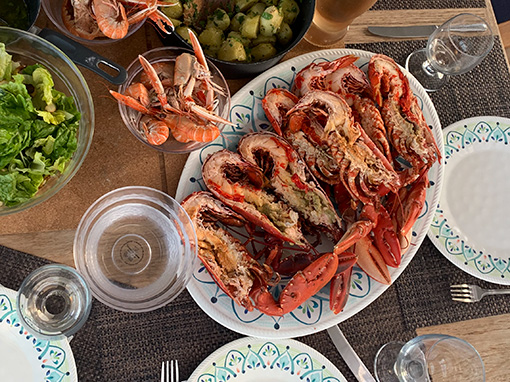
489,335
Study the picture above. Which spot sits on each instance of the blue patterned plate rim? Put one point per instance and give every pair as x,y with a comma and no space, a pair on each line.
252,358
314,315
461,140
55,358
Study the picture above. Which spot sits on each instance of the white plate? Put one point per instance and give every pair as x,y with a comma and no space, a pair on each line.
254,360
24,358
314,315
471,226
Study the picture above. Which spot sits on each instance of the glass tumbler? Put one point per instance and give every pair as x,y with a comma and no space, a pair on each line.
332,18
53,302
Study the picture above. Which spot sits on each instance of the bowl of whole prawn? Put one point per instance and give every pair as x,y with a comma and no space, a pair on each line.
77,19
172,102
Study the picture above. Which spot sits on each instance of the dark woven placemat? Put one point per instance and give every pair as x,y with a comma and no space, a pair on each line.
384,5
117,346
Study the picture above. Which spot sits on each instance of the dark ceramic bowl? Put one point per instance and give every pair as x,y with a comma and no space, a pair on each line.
251,69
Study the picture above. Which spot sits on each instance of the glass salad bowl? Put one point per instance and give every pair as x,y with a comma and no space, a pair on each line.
29,49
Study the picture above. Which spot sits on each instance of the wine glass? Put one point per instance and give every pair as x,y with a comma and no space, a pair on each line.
431,357
455,47
53,302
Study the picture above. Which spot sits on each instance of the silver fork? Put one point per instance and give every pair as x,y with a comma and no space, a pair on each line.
170,373
473,293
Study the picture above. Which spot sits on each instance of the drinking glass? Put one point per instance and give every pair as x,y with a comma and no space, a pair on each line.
53,302
431,357
332,18
455,47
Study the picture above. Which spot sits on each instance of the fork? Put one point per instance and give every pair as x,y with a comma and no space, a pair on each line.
170,373
473,293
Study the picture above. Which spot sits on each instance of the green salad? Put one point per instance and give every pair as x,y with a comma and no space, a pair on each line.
38,127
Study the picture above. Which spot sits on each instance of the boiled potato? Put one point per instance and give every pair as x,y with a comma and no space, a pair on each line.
218,19
270,2
250,27
270,21
243,5
174,11
232,50
211,39
263,39
245,41
183,31
263,52
289,10
237,20
257,9
284,34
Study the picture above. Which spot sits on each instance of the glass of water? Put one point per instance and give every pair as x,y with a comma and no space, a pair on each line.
431,357
53,302
455,47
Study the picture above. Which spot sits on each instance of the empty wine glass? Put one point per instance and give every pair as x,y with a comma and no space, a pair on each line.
53,302
431,357
455,47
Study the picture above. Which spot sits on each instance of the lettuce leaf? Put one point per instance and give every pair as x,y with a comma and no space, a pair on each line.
5,63
38,131
43,83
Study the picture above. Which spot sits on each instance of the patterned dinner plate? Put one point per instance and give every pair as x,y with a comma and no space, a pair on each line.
313,315
471,225
252,359
24,358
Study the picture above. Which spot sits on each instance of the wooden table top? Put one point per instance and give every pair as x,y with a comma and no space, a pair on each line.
48,230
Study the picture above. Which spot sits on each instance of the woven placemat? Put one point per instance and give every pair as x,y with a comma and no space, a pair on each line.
117,346
385,5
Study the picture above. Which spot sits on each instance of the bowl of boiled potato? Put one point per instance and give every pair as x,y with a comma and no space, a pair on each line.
241,37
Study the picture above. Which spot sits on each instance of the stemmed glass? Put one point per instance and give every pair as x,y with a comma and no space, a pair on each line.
431,357
455,47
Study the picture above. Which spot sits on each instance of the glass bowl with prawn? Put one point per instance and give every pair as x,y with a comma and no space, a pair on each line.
163,60
62,12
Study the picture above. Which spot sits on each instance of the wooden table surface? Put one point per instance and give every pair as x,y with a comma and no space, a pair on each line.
55,242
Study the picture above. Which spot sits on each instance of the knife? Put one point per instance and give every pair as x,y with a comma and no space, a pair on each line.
420,30
350,357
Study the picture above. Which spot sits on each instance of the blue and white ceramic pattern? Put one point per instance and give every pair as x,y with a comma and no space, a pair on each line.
252,359
471,225
25,358
314,315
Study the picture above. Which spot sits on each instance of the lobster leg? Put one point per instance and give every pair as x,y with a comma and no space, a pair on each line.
357,230
406,207
339,287
302,286
371,261
386,238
